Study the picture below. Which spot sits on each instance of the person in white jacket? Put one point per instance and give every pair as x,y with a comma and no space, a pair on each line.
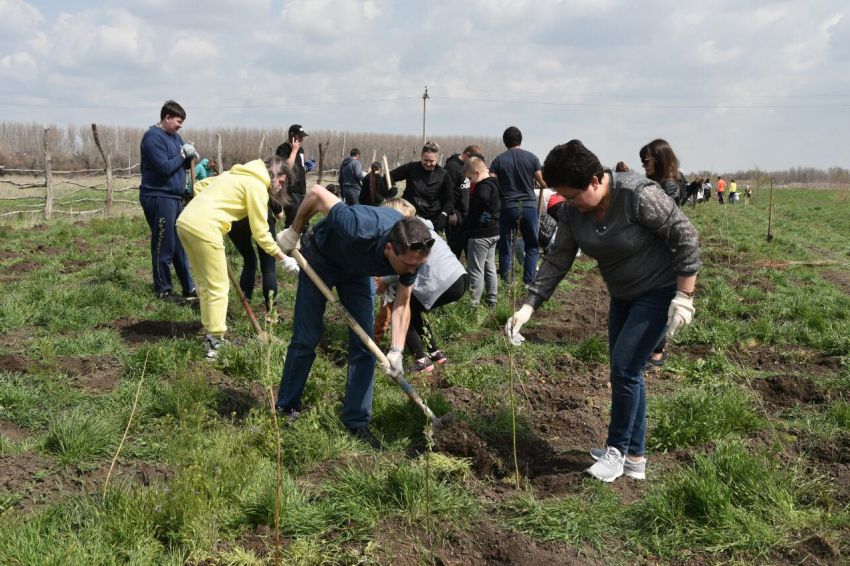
441,280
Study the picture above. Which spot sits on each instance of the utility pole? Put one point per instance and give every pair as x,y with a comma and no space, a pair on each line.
424,113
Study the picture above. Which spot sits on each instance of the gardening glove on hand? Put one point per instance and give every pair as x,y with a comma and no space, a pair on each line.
485,219
288,240
190,152
290,266
388,296
680,313
309,165
395,368
514,324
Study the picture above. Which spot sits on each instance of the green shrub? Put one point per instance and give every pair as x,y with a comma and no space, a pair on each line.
80,434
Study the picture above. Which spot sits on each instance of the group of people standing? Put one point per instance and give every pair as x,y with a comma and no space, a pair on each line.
371,243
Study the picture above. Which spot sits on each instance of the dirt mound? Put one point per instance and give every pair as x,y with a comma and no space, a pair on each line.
137,331
458,439
787,391
235,398
20,268
14,363
781,358
72,266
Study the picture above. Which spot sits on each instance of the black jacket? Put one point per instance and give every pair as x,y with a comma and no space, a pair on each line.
298,185
381,190
460,184
484,199
431,192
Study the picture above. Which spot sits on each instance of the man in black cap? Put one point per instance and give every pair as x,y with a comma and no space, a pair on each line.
293,153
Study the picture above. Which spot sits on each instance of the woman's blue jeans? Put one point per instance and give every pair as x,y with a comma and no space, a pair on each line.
634,330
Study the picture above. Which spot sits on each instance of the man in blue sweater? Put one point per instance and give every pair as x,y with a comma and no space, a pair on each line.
165,159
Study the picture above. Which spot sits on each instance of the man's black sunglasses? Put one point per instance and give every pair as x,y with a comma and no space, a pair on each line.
416,246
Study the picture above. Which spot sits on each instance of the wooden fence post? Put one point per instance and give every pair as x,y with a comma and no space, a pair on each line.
322,150
770,215
107,161
48,176
262,143
218,154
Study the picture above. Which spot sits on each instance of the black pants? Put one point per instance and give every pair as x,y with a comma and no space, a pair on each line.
418,326
291,209
240,235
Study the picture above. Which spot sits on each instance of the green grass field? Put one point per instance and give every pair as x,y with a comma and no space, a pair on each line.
749,420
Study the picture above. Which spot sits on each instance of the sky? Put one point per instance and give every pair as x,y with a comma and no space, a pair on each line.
731,84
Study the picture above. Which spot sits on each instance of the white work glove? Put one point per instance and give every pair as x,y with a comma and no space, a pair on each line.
395,368
514,324
288,240
680,313
190,152
388,296
290,266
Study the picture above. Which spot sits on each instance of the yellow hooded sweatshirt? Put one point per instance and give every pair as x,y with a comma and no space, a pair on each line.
243,191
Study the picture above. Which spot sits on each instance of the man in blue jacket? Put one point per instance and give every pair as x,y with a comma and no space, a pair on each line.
350,174
165,159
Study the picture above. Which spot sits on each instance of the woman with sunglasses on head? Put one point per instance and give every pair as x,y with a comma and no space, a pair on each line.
442,280
648,254
429,188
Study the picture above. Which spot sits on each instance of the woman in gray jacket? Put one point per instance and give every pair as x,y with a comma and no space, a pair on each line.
648,254
440,281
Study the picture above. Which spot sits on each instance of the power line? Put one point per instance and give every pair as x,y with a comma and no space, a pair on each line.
260,106
669,96
629,105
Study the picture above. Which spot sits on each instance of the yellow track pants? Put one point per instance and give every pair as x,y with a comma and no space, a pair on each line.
209,267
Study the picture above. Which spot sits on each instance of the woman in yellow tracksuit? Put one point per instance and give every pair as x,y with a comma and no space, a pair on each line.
244,191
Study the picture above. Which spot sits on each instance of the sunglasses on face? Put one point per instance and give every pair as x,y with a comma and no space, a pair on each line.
646,161
417,246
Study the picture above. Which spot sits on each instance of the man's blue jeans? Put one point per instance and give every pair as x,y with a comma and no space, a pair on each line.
351,195
527,221
357,295
161,214
634,329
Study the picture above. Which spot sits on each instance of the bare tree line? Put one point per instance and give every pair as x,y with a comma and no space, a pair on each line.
73,147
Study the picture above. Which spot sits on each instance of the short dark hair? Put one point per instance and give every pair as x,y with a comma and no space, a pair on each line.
333,189
354,152
472,149
171,108
512,137
571,165
409,231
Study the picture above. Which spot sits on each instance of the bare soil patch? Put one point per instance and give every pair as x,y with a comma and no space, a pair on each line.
581,313
33,479
12,431
139,331
787,391
96,374
840,278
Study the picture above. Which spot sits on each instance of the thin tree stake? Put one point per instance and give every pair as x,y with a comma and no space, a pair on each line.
269,385
129,422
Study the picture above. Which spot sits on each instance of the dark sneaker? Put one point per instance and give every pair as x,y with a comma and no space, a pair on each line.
168,297
213,345
363,433
652,363
438,357
422,364
191,295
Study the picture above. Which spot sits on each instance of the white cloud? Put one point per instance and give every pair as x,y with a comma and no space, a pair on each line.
19,18
19,66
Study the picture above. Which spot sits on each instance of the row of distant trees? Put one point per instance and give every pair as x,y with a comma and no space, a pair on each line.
73,147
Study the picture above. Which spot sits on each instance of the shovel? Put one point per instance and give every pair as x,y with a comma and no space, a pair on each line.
382,359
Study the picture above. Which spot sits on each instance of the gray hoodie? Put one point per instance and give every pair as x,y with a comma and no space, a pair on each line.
350,173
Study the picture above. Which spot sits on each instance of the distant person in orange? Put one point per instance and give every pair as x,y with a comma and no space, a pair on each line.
721,188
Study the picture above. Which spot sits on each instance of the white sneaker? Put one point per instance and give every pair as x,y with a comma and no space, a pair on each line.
634,470
609,466
212,345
